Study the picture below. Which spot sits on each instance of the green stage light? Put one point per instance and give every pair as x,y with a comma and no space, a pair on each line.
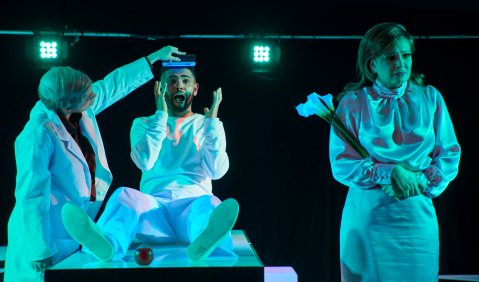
261,54
50,50
264,57
47,51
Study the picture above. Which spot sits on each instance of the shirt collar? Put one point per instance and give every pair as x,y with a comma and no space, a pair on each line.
71,124
390,93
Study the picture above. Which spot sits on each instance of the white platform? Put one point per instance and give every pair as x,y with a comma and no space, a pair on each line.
280,274
167,256
172,261
463,277
175,256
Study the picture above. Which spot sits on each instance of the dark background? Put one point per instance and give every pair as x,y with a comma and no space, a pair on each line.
279,167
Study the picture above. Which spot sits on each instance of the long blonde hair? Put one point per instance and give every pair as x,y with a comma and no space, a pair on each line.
374,43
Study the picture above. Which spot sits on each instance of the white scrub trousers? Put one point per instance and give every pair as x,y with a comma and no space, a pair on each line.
158,219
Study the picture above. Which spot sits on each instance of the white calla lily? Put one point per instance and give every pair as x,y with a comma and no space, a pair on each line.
322,106
317,105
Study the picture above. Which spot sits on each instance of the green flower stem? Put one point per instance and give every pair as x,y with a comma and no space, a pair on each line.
350,138
333,119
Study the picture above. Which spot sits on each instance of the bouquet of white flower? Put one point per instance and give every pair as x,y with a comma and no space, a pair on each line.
323,107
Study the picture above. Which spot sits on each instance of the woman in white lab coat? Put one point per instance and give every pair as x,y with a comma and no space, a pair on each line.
60,158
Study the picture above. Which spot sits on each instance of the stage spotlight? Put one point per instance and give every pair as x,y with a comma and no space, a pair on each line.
47,51
264,57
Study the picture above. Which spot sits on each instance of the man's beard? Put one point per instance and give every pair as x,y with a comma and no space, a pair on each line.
183,106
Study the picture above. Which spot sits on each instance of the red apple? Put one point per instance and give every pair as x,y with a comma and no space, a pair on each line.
144,256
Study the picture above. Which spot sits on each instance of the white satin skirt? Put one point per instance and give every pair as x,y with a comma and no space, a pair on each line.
382,239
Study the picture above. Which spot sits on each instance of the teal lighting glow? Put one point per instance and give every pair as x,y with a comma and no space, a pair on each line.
48,49
261,54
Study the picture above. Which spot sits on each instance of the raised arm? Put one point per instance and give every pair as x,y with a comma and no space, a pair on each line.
147,133
124,80
214,157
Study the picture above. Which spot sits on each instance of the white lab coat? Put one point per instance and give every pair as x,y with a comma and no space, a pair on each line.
51,170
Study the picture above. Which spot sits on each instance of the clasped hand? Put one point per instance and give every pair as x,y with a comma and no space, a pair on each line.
405,183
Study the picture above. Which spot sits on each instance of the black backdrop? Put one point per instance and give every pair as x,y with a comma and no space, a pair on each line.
279,169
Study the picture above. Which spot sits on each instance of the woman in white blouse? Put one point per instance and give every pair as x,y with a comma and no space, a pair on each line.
389,229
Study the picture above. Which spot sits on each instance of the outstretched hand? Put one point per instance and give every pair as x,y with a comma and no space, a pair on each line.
217,98
167,53
159,92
